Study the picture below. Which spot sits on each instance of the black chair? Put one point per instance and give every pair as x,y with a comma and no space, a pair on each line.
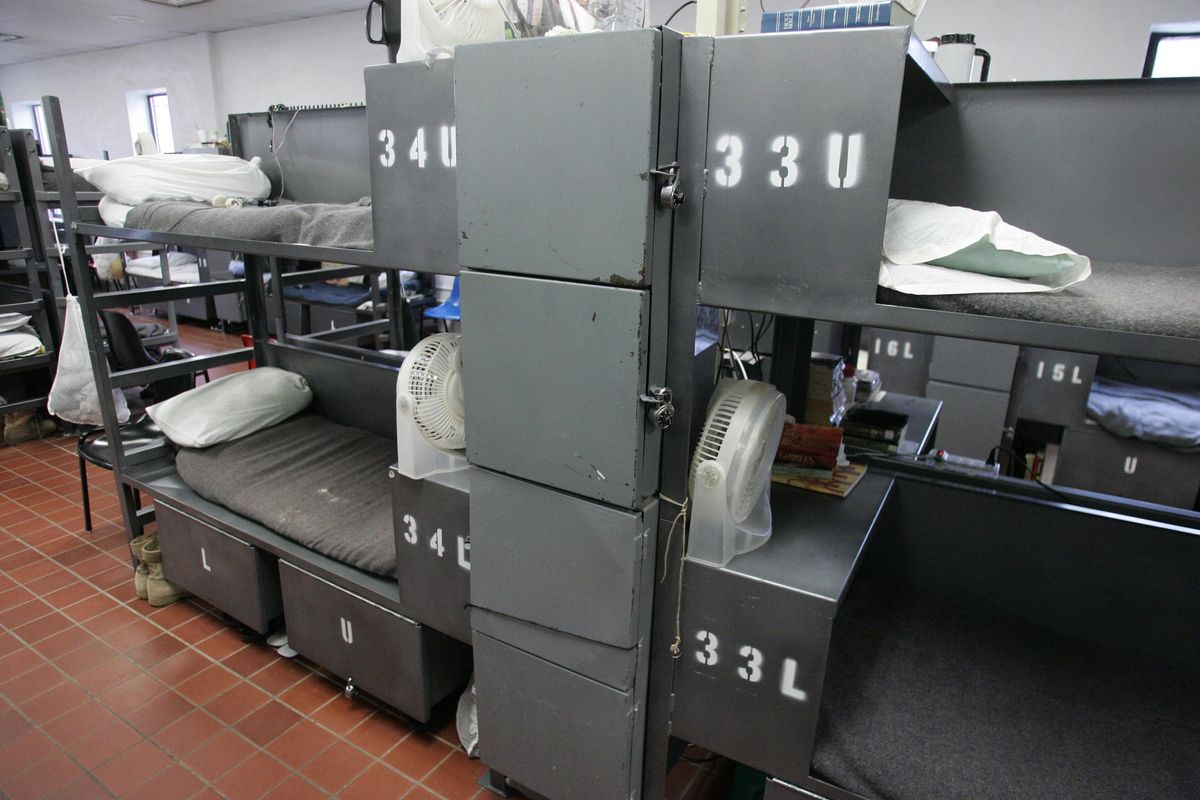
127,352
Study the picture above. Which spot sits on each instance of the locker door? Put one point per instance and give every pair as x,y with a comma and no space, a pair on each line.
554,372
559,139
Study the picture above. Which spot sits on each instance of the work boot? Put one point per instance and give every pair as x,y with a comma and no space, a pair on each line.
24,426
141,570
159,590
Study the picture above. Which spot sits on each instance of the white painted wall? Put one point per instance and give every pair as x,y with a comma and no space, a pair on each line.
207,77
306,62
1028,39
92,87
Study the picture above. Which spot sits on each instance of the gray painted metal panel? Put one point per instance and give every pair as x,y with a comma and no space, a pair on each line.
972,419
1052,386
322,160
232,575
900,357
433,549
378,650
556,560
988,365
557,138
574,736
799,168
1093,459
370,406
756,633
414,208
552,373
612,666
1107,168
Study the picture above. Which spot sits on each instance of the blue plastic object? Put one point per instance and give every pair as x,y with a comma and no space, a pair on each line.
448,309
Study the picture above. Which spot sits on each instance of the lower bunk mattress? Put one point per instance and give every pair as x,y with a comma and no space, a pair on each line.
926,701
317,483
1134,298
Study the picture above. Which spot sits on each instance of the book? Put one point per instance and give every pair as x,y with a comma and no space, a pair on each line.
858,15
809,447
843,481
874,445
873,423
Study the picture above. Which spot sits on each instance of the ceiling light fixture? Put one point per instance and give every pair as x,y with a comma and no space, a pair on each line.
175,3
10,37
125,18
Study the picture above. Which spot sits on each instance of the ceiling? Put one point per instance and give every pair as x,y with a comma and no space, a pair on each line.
61,27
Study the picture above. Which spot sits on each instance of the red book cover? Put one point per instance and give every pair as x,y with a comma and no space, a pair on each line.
815,446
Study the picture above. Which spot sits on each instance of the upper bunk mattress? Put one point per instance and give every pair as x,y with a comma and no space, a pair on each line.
317,224
320,484
926,701
1118,297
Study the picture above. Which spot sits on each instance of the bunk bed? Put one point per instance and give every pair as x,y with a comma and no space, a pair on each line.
992,650
27,338
227,514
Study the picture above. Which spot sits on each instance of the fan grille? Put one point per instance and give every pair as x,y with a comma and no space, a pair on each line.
716,427
433,378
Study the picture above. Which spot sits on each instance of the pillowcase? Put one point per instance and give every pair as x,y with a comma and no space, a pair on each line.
921,241
231,407
10,321
16,344
199,177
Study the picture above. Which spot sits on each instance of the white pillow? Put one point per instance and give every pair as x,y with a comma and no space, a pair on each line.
198,177
231,407
113,213
10,321
15,344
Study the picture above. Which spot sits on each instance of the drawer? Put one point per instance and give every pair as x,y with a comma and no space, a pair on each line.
433,549
901,358
559,733
972,419
988,365
233,575
559,561
326,318
1052,386
401,662
1096,460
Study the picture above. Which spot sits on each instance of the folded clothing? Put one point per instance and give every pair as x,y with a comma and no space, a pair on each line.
1162,416
20,343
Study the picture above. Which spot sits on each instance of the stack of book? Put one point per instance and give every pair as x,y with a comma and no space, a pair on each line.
811,457
829,17
825,403
872,429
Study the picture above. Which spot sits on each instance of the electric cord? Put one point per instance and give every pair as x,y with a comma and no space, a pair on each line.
676,11
1013,455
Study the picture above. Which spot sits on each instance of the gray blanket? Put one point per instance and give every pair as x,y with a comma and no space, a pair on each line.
319,224
320,484
1117,297
924,701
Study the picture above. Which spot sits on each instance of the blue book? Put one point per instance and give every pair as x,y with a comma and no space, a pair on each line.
862,15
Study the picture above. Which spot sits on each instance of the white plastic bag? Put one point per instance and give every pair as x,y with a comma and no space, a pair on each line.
74,396
466,719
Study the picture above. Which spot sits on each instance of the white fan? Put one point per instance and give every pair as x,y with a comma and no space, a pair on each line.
433,26
731,471
430,429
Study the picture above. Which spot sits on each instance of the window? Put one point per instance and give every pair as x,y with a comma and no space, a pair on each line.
1174,51
160,122
40,129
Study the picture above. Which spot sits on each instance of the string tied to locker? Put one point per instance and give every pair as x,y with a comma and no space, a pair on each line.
680,521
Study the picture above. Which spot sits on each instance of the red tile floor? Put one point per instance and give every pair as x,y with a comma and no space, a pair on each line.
103,696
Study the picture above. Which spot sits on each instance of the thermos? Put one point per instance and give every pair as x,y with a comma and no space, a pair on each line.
956,54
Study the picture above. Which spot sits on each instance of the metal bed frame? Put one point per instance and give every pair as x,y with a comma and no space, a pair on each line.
22,261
